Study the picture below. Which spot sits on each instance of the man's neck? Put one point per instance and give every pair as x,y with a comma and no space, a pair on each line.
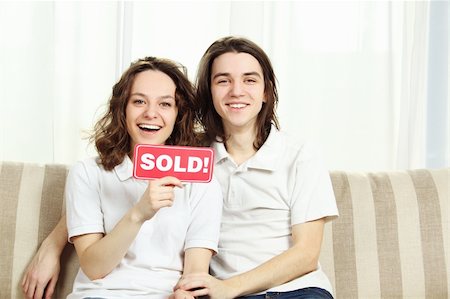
240,145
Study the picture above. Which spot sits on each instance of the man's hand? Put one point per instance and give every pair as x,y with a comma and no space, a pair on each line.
201,284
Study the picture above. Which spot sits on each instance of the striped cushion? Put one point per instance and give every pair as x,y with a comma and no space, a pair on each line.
390,241
392,237
31,199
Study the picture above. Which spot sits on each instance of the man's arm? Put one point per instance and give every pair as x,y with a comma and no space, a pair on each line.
298,260
42,272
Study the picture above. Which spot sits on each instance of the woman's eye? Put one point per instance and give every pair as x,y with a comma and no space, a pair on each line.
138,101
166,104
250,80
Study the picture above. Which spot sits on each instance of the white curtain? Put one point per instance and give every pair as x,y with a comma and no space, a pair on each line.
353,76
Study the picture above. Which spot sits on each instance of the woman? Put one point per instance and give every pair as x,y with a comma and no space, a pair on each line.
277,192
135,238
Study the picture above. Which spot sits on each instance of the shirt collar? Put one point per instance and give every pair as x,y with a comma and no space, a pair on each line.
124,170
220,153
267,157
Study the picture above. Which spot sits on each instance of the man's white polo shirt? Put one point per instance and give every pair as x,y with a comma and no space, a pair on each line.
283,184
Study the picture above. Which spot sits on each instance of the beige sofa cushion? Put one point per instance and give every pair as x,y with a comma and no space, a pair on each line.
390,241
392,237
31,199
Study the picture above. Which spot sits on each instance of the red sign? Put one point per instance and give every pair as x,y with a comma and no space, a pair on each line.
188,164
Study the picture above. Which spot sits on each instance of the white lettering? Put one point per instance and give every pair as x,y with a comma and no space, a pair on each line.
194,164
147,161
160,165
178,167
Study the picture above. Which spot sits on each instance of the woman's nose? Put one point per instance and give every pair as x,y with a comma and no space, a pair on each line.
151,111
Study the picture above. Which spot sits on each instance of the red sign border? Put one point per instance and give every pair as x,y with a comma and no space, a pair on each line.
137,146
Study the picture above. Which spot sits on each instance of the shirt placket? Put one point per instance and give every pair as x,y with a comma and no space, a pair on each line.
234,187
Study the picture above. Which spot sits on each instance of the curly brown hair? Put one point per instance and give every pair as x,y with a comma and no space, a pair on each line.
211,120
110,135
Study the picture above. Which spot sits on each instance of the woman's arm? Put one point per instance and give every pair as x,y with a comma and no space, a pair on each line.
196,261
99,254
42,273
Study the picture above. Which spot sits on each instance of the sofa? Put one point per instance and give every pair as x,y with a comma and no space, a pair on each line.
390,241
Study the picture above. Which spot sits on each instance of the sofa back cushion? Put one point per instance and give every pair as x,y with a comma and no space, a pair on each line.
391,239
31,196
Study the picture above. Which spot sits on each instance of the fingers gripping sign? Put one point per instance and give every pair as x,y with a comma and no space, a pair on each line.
159,194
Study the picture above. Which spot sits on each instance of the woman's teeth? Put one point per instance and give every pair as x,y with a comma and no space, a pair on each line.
149,127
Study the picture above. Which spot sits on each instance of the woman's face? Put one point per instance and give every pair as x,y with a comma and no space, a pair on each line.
237,88
151,110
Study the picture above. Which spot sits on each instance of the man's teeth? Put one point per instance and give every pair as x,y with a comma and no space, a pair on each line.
149,127
237,105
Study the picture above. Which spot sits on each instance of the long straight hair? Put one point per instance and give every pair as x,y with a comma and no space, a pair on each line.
211,120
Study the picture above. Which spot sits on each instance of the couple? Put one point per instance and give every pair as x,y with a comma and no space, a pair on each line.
160,239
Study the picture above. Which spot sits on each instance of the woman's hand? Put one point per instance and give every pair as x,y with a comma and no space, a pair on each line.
159,194
40,278
181,294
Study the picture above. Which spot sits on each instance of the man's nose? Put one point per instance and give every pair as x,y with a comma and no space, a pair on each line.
236,89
